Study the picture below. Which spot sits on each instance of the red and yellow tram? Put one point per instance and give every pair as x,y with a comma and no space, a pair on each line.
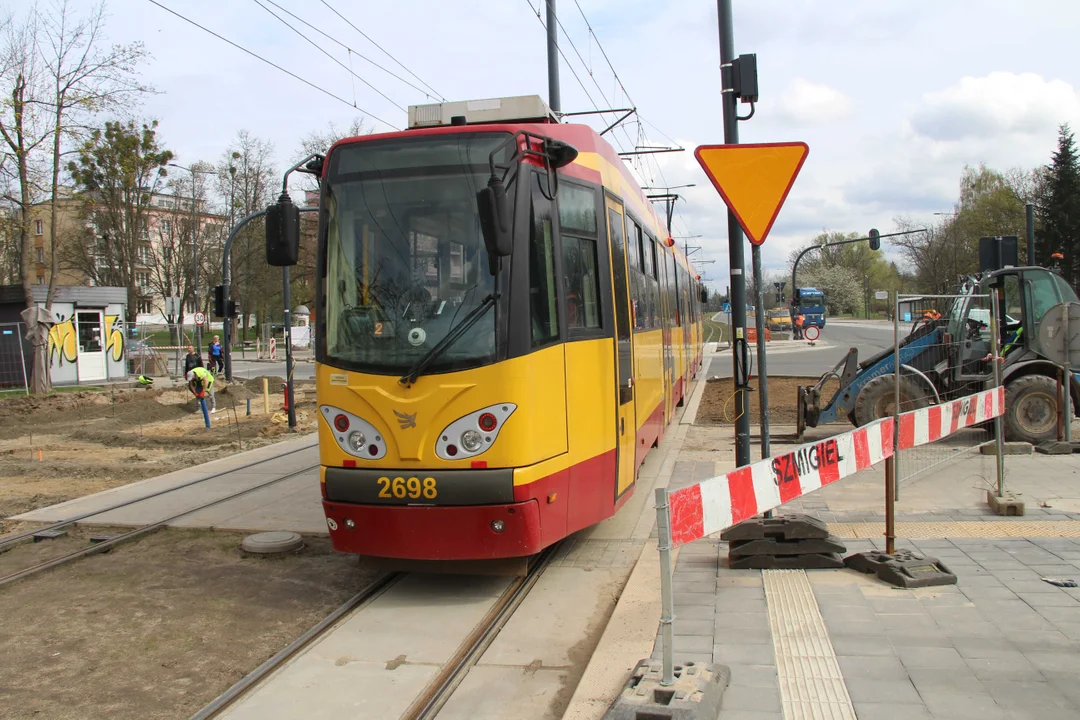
504,331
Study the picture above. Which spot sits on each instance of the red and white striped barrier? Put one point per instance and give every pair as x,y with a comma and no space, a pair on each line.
720,502
920,427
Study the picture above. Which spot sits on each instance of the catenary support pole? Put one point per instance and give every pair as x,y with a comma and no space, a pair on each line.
667,601
740,350
554,100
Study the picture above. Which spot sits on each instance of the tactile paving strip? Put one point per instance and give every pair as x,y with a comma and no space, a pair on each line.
811,684
960,529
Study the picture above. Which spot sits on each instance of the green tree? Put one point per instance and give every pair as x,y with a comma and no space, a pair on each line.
119,170
1058,209
990,203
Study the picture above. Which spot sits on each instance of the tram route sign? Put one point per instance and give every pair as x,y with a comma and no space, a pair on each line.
754,180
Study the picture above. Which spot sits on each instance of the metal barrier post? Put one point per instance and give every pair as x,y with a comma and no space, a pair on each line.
995,351
896,398
22,356
667,602
890,522
1067,417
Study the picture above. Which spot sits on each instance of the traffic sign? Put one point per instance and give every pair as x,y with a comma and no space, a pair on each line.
200,319
754,180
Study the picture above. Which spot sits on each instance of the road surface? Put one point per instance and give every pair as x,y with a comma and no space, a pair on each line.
869,337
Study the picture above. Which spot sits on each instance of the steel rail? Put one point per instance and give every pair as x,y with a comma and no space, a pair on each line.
253,678
139,532
7,542
428,704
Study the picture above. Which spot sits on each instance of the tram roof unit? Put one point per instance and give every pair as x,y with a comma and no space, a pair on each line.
530,112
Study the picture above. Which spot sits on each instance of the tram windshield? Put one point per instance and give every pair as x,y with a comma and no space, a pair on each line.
405,256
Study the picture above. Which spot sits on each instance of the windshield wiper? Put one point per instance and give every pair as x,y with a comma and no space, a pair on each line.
449,339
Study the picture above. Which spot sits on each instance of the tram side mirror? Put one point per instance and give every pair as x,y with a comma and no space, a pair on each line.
496,221
282,233
561,154
704,296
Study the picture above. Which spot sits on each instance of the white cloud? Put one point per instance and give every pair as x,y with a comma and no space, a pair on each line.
996,104
807,103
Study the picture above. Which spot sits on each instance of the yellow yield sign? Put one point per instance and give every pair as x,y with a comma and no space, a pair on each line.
754,180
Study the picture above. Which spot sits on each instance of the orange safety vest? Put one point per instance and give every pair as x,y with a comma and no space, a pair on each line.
799,320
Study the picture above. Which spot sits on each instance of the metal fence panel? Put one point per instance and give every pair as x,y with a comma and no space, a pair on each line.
15,357
951,331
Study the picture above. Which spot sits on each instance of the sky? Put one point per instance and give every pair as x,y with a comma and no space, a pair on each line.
893,97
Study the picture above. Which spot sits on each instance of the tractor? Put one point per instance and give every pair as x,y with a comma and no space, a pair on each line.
947,356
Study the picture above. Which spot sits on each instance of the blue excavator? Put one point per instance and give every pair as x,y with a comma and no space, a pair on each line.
946,356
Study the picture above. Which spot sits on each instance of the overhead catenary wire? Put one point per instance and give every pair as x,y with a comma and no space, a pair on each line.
274,65
384,50
352,51
324,52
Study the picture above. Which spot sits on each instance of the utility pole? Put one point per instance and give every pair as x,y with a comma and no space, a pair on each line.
740,354
554,100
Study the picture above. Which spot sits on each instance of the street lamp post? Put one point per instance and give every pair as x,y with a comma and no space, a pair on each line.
195,252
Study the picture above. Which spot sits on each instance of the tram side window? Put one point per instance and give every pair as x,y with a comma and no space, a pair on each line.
582,282
542,303
577,208
651,281
638,293
675,290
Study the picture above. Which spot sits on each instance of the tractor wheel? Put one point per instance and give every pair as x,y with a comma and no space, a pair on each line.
1031,409
877,399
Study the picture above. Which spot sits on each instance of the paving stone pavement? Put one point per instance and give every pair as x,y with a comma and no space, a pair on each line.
1001,643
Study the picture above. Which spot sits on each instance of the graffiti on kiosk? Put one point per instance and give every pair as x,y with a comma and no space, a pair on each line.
63,341
114,331
787,468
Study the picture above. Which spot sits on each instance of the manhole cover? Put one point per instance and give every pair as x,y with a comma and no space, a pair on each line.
272,542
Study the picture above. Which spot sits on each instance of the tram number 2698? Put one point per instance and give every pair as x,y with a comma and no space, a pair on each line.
413,487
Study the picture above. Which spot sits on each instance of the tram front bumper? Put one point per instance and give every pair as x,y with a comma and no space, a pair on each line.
469,532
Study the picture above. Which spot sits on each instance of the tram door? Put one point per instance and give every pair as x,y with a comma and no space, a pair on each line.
626,420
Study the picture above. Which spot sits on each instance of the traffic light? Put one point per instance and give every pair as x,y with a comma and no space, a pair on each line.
234,308
875,240
219,301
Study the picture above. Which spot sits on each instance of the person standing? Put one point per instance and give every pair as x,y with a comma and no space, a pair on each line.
799,320
191,360
200,382
217,360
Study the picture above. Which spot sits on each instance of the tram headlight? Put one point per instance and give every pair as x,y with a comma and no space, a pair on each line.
357,440
471,440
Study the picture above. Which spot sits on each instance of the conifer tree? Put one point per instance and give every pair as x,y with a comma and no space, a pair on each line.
1058,209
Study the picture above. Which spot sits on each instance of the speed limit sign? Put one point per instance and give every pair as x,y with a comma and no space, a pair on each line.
200,318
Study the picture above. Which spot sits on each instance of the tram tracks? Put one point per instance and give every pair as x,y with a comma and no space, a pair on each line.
433,697
10,541
110,543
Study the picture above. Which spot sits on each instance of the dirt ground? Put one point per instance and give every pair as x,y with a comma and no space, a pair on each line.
71,444
718,406
159,627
